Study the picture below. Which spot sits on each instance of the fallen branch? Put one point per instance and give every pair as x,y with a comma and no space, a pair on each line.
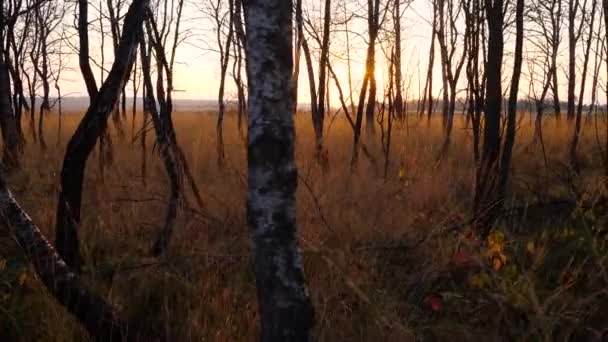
98,316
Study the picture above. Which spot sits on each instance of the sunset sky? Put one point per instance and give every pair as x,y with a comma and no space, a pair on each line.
197,65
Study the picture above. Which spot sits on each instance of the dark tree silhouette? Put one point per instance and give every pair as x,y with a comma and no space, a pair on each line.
86,135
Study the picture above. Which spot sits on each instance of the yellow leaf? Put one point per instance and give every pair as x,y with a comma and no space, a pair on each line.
2,264
497,264
530,247
22,278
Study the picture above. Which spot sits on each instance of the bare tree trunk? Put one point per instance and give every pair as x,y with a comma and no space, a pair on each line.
428,87
163,137
398,75
505,162
373,23
597,65
579,110
83,49
115,34
134,104
239,47
299,36
12,150
86,135
487,171
144,126
447,33
224,48
573,36
285,309
556,17
319,120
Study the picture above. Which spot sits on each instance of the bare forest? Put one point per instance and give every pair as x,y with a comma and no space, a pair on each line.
304,170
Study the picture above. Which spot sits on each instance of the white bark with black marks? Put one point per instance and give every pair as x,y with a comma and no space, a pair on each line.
285,309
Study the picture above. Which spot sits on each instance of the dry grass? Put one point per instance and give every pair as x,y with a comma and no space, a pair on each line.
364,287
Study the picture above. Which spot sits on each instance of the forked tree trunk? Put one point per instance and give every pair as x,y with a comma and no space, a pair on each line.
167,152
86,135
285,309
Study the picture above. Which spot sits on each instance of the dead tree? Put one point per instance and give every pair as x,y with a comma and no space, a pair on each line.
284,304
88,132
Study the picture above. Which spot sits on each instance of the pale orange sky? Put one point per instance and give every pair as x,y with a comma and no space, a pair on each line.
197,70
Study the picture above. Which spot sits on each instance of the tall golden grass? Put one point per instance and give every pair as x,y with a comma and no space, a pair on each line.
364,286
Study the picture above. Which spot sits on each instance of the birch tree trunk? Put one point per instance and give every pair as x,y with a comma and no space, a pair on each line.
284,304
99,318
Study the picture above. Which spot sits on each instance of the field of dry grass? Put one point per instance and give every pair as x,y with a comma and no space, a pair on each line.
379,262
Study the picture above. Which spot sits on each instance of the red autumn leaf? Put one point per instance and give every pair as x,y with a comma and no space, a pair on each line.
434,302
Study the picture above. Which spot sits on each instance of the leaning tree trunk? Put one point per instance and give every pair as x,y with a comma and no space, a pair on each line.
167,152
93,312
284,303
86,135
